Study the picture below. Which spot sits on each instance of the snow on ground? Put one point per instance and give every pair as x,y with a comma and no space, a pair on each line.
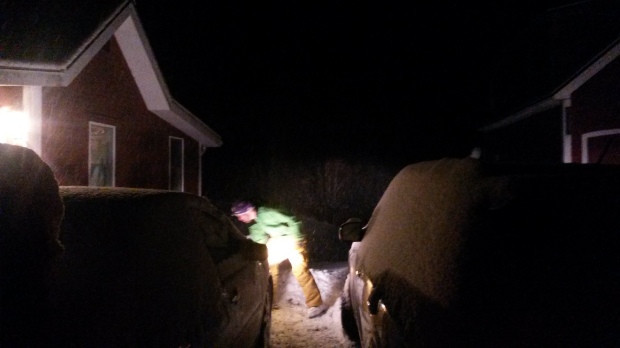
291,327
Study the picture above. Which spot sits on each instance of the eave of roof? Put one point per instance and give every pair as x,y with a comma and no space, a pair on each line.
31,66
588,71
559,58
140,58
563,92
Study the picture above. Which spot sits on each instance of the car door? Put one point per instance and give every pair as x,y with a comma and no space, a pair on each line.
359,284
243,296
243,282
360,287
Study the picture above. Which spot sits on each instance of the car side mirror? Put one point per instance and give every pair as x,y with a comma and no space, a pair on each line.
352,230
254,251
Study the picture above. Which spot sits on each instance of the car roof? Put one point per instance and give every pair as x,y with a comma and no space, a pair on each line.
431,212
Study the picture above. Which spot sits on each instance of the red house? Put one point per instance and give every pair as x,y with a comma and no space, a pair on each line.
557,93
79,84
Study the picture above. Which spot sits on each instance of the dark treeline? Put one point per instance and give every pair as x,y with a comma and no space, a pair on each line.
321,193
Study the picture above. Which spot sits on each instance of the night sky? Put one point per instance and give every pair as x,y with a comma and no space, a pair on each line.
335,77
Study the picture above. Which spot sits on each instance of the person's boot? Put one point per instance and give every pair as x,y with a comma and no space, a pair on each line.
317,311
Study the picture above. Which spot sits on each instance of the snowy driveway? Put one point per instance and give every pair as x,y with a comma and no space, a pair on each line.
291,327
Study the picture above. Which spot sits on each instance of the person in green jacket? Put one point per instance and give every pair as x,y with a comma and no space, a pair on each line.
282,235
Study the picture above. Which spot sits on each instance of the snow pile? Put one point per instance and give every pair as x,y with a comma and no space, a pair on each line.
291,327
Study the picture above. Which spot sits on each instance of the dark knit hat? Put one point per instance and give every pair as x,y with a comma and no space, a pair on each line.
241,207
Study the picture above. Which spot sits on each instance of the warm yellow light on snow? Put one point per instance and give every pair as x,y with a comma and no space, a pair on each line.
14,127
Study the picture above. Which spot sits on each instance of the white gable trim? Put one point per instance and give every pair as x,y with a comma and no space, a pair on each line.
185,121
591,70
564,93
585,137
141,61
18,73
124,25
523,114
139,57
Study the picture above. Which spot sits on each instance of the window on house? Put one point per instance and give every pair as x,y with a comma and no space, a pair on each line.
101,154
176,164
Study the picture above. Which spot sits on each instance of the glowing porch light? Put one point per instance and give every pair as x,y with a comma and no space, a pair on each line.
14,126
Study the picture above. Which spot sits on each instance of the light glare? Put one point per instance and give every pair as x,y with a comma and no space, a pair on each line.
14,127
280,249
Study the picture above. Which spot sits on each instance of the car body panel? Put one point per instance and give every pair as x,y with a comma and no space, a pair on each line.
243,305
464,253
155,268
375,327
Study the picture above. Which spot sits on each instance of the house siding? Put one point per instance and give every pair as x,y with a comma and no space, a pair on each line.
11,96
106,92
596,107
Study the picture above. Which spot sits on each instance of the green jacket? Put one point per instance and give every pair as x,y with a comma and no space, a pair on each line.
270,223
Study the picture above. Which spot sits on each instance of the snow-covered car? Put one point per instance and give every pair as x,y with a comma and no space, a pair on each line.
156,268
461,253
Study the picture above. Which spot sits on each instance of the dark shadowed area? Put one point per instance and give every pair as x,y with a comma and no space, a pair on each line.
469,254
337,78
319,104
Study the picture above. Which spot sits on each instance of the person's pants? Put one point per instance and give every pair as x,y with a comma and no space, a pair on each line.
299,265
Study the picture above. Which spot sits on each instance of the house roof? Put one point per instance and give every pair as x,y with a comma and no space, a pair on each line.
552,57
48,43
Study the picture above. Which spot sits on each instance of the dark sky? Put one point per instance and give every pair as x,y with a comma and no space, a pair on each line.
335,76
